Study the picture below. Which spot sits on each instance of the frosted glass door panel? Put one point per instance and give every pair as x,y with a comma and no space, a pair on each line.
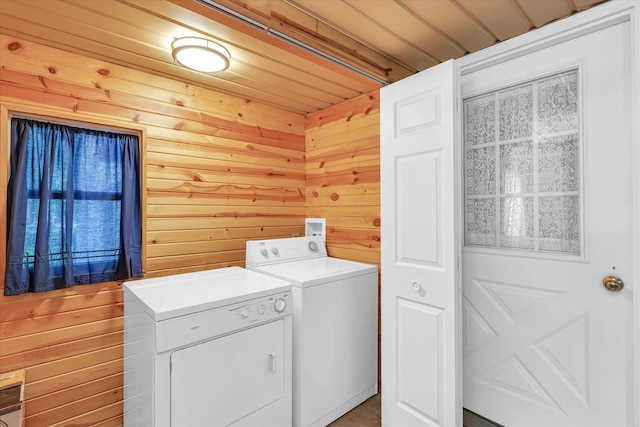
522,162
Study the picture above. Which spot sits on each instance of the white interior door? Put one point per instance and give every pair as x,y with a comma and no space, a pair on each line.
420,348
219,382
547,216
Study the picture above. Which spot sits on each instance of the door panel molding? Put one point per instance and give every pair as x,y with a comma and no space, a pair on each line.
417,113
412,350
595,19
419,234
420,292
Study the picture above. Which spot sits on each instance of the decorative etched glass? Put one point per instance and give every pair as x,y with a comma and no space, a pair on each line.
516,225
516,112
559,227
558,103
516,168
480,120
558,164
522,167
481,176
481,222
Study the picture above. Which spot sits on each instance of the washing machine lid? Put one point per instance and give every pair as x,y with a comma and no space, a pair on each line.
172,296
312,272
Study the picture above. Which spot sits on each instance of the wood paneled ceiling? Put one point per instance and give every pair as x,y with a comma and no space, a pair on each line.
299,55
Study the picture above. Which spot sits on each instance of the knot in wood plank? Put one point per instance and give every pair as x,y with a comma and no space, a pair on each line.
14,47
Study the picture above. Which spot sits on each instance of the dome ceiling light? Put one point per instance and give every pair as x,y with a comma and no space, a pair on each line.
200,54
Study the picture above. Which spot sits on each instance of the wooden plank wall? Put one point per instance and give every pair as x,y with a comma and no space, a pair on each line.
219,170
343,176
343,180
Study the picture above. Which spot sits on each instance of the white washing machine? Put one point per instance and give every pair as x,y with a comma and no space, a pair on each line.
205,349
335,325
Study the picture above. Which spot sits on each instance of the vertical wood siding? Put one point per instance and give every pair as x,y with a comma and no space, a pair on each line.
219,170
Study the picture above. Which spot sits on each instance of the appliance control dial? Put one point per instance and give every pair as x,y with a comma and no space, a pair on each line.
264,252
280,305
313,247
243,314
275,251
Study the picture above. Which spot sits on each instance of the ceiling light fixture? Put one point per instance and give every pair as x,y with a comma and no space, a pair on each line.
200,54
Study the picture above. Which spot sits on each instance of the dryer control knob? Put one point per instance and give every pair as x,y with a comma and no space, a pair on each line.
313,246
264,252
280,305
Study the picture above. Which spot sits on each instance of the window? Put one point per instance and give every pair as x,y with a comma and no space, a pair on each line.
73,205
522,167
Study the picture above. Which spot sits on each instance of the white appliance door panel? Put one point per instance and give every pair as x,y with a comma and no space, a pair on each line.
337,341
223,380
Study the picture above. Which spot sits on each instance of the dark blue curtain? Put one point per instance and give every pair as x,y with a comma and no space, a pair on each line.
73,207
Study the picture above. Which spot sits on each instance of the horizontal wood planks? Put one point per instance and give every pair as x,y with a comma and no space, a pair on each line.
343,176
218,170
70,344
343,179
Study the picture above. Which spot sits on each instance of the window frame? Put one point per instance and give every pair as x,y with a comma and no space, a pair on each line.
581,257
9,111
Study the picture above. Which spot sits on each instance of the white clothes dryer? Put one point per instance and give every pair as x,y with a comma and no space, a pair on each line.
211,348
335,325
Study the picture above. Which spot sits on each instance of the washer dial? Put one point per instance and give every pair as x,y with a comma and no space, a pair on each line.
280,305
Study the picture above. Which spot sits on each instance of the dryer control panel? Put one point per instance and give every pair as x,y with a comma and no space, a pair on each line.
264,252
185,330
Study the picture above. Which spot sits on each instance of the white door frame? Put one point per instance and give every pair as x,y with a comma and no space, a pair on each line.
602,16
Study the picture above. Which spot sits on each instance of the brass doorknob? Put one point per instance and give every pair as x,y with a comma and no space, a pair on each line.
613,283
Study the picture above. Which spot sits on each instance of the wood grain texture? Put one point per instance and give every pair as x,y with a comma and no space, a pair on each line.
343,176
342,148
217,170
367,414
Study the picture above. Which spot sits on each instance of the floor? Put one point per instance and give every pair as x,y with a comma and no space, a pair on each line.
368,414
